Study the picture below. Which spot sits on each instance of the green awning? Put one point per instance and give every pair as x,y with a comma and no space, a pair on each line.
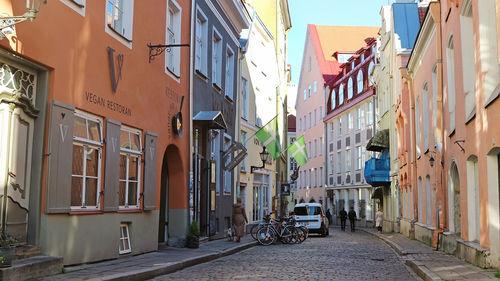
379,141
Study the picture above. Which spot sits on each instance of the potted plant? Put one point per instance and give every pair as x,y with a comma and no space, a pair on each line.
7,247
193,236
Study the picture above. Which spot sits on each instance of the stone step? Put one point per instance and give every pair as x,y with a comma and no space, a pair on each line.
31,268
26,251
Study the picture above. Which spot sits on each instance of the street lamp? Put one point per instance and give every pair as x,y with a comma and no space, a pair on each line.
7,22
431,161
264,156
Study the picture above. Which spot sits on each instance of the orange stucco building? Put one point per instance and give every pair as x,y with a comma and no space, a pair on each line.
91,140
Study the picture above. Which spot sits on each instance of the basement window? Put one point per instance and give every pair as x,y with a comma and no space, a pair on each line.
124,239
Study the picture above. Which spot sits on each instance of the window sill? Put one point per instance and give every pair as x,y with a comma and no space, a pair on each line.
471,117
119,34
129,210
426,150
201,75
451,133
85,212
493,97
78,4
217,87
228,99
173,73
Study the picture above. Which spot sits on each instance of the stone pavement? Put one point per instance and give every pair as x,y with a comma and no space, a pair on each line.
149,265
430,264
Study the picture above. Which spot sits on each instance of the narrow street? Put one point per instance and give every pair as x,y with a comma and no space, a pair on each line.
341,256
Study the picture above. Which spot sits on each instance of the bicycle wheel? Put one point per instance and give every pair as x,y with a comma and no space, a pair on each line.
306,231
287,235
254,229
266,235
301,235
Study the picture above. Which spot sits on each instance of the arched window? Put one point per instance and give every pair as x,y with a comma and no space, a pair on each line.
360,81
370,73
333,99
341,94
349,88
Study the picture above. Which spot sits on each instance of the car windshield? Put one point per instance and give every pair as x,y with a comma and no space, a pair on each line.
307,211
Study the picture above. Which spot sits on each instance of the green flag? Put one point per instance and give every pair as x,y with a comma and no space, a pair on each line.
269,137
298,151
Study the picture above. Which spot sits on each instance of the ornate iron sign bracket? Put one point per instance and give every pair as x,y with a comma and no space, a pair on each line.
156,50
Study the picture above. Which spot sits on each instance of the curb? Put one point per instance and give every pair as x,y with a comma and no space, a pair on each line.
417,267
150,273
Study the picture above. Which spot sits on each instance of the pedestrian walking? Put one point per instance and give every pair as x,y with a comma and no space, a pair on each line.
343,218
329,216
239,219
352,218
379,220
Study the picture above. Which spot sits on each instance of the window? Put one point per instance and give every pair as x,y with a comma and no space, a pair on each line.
315,171
332,168
86,167
130,167
370,73
315,145
359,153
227,173
349,88
333,99
340,126
315,119
358,124
243,165
320,113
468,61
360,81
173,57
300,124
362,57
310,120
244,98
77,5
320,176
119,16
341,94
450,70
349,122
348,159
352,65
124,239
309,149
425,116
229,73
305,123
201,42
434,98
370,113
320,146
216,58
339,162
309,91
310,178
417,126
315,85
305,94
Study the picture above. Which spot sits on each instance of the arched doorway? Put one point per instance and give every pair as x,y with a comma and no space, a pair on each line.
171,222
454,188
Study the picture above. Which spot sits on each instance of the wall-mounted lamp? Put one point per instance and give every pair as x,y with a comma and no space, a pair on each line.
7,22
156,50
264,156
432,160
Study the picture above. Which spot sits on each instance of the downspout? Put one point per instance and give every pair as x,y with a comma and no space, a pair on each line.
5,183
191,178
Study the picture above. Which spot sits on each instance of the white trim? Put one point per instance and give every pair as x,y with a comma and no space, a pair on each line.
218,69
203,68
115,34
126,237
76,5
222,22
175,53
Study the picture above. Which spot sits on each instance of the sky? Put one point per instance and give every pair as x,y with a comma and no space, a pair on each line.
326,12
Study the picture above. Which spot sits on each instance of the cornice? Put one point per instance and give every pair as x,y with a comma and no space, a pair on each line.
424,37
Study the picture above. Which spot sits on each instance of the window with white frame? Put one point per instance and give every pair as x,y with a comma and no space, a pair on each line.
315,171
119,17
341,94
315,145
360,81
358,123
130,168
310,120
332,168
359,153
216,58
339,162
309,176
201,42
309,149
320,112
417,126
450,70
309,91
229,73
77,5
315,86
349,122
362,57
320,176
245,102
370,73
227,173
370,113
425,116
124,247
173,56
348,159
349,88
333,99
315,118
305,94
320,146
87,157
243,165
340,126
300,124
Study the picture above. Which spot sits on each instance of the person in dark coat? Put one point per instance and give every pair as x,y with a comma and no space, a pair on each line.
352,218
329,216
343,218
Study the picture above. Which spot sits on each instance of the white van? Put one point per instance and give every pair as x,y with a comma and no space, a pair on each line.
311,215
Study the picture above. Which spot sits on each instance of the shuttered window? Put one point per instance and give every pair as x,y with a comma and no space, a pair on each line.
130,167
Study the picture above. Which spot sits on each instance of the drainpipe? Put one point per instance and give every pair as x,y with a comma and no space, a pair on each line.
191,178
5,183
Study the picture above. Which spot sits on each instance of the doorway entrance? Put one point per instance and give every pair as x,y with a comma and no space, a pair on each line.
163,221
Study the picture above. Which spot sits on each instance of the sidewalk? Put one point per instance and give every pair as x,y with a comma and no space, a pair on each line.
430,264
150,265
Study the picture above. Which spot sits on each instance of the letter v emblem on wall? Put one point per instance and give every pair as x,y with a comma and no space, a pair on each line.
115,77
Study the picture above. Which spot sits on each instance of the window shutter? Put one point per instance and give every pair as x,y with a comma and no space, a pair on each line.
149,193
60,153
112,170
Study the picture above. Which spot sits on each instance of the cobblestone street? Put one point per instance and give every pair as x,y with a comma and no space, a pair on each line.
341,256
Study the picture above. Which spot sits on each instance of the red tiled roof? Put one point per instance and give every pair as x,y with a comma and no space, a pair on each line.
292,126
421,13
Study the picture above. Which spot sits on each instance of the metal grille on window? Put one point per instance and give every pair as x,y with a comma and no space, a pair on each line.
124,239
16,80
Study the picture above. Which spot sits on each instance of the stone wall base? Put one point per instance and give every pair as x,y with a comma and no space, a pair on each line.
405,227
424,234
472,253
448,242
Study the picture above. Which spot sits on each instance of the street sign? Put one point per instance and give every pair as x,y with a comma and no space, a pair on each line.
232,161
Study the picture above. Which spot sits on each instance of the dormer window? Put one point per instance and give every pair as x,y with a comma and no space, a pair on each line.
349,88
352,65
360,81
333,99
362,57
341,94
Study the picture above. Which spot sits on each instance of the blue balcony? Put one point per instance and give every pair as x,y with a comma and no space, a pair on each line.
377,170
